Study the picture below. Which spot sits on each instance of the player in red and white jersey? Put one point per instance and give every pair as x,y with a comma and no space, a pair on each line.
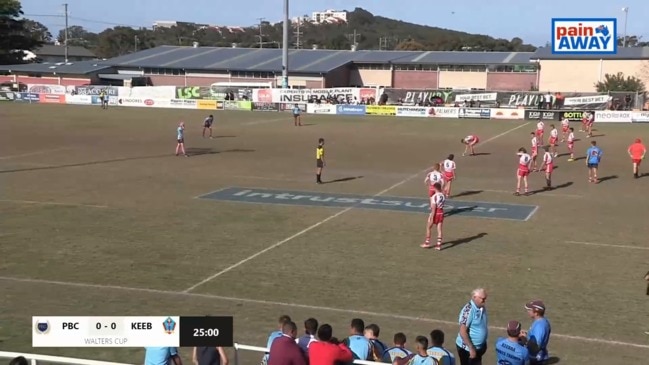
540,126
434,177
589,124
436,217
552,141
470,142
536,142
523,171
448,167
571,144
565,129
584,121
548,167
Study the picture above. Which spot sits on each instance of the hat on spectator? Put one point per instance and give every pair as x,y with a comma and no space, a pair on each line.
535,304
513,328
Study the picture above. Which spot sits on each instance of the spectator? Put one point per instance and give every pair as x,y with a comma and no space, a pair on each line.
209,356
284,350
509,350
398,350
327,350
310,330
275,334
378,347
420,357
162,356
538,337
471,340
18,361
437,350
361,347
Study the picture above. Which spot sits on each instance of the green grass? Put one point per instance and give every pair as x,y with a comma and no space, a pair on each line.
127,237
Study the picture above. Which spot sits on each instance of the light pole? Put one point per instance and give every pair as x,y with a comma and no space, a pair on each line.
626,16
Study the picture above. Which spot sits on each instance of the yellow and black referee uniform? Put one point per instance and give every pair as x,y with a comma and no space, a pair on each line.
319,158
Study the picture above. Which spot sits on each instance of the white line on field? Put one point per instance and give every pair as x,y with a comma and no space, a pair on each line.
35,153
608,245
33,202
266,121
541,194
299,306
318,224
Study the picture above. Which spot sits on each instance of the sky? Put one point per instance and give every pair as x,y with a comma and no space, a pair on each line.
528,19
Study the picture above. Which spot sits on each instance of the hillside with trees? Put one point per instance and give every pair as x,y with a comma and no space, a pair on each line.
368,31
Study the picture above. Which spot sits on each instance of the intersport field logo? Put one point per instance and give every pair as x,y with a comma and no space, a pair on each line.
584,36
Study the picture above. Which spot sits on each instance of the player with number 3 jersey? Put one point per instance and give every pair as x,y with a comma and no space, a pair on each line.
434,177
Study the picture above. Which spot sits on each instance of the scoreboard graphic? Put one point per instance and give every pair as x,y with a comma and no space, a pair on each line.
164,331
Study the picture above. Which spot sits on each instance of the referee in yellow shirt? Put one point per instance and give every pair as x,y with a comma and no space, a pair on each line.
319,157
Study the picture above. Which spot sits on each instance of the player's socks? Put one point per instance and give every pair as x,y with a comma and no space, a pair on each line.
318,178
548,182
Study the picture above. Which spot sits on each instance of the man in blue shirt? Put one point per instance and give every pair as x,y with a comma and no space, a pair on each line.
162,356
420,357
593,157
372,332
437,350
297,119
398,350
509,351
310,330
471,341
538,337
360,346
275,334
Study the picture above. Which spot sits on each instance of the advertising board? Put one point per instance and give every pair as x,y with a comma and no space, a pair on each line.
265,107
321,109
612,116
542,114
350,109
310,95
413,111
444,112
507,113
78,99
52,98
573,116
474,113
237,105
640,117
380,110
206,104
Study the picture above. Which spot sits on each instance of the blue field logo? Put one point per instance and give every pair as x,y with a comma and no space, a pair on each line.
595,36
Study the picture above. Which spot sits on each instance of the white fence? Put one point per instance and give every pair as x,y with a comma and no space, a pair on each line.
35,358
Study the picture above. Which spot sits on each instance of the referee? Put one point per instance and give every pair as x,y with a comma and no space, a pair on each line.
319,160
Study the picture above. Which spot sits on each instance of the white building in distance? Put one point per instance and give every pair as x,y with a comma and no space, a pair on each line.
329,16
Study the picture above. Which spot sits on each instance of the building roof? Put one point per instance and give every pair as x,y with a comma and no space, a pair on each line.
300,60
623,53
70,68
54,50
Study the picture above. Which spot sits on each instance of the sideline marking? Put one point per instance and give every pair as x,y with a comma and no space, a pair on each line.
540,194
35,153
266,121
300,306
318,224
608,245
52,203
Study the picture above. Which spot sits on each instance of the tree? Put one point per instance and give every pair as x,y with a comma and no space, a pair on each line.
38,31
14,38
632,41
410,45
619,82
78,36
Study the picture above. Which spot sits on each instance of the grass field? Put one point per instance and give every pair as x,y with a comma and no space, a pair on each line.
100,218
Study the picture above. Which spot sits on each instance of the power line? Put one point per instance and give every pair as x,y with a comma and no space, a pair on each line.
86,20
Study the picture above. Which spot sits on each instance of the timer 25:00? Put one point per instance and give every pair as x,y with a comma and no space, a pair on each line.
206,332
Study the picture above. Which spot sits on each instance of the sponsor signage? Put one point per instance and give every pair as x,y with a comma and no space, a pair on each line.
497,113
351,109
573,115
380,110
206,104
148,92
95,90
237,105
321,109
412,111
52,98
586,100
28,97
640,117
130,102
310,95
412,97
474,113
265,107
78,99
47,89
289,107
7,96
176,103
460,98
542,114
112,100
444,112
584,36
613,116
193,92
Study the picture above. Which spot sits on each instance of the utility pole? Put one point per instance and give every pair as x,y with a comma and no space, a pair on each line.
65,33
261,34
285,60
383,43
298,34
136,40
352,38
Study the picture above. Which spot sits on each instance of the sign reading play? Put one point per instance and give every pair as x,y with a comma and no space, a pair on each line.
584,36
400,204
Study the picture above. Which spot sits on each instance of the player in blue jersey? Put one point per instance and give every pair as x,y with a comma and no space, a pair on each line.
297,118
538,337
593,158
180,137
398,350
361,347
420,357
437,350
509,351
207,125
